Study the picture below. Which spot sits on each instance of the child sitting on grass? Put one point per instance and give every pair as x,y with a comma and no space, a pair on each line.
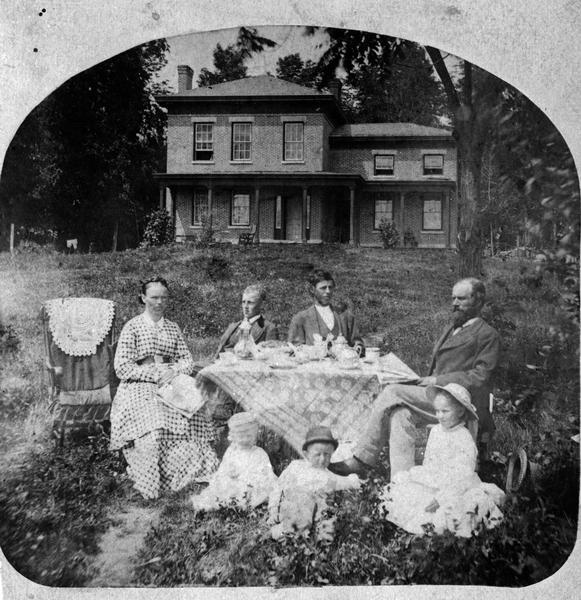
299,499
445,491
245,475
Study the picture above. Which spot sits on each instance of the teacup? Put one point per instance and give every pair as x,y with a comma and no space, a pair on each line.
372,354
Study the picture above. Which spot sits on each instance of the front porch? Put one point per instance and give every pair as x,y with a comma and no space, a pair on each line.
309,208
312,208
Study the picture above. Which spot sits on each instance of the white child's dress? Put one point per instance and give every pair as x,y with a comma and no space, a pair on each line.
448,476
245,476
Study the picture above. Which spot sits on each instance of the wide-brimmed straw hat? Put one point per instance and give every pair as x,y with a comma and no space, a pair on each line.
320,434
242,422
456,392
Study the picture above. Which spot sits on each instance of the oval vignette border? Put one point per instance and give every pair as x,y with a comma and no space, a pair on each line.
533,44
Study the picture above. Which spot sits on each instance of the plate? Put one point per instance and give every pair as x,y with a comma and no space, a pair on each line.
347,367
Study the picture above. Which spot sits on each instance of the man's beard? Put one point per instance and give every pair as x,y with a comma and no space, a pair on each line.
460,317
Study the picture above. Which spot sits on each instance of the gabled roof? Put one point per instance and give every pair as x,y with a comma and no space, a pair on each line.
396,130
261,85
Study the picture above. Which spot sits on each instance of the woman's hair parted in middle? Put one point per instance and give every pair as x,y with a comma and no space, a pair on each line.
144,285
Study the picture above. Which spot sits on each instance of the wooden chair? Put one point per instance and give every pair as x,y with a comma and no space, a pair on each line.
80,338
247,237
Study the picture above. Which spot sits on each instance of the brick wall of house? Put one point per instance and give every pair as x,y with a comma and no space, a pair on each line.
358,157
267,144
412,221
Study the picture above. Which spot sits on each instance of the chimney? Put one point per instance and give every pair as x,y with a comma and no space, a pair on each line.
335,88
185,76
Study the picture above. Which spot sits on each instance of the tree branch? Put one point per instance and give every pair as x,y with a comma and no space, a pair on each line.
444,74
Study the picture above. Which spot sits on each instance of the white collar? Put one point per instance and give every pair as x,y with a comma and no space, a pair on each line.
251,320
467,324
155,324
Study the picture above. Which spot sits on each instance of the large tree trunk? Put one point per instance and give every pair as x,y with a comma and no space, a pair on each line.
469,234
469,150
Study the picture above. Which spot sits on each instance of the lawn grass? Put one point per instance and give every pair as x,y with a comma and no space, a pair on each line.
401,299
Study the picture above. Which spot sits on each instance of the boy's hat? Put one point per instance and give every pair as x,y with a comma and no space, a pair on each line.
457,392
242,422
320,434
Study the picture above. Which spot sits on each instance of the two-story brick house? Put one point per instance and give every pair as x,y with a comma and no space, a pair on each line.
281,157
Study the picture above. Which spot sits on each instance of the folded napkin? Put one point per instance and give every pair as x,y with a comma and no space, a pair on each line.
182,394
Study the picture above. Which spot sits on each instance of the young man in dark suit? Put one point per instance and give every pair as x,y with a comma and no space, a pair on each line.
260,329
466,353
322,318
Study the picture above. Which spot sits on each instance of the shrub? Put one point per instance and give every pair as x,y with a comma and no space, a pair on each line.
388,233
159,230
207,237
9,340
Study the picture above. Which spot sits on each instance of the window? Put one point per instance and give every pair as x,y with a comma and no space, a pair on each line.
240,209
293,141
433,164
199,206
432,215
383,210
383,164
203,141
241,141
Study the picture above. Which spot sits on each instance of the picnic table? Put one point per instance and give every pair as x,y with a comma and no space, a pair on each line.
291,399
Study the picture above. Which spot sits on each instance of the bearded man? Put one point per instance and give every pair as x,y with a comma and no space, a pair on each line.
466,353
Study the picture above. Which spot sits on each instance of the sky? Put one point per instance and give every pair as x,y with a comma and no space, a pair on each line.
196,50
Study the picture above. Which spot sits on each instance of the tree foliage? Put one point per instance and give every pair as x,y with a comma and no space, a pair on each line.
229,62
82,161
386,81
512,162
293,68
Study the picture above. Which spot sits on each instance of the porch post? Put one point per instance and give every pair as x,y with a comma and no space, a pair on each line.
352,222
304,216
257,214
402,217
210,203
161,197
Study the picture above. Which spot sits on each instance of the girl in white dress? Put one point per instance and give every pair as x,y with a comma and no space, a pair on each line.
445,490
164,449
245,476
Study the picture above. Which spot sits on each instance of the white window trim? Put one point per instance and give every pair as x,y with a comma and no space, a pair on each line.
240,119
383,175
293,161
441,175
291,118
238,161
240,225
204,119
444,152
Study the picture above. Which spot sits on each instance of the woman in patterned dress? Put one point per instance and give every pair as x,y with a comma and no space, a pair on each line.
164,449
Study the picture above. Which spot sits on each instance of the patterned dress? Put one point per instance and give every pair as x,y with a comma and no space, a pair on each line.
447,476
164,450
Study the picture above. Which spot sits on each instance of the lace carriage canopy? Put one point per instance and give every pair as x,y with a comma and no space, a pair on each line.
79,325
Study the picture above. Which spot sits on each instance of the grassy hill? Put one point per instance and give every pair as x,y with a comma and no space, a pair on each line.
402,300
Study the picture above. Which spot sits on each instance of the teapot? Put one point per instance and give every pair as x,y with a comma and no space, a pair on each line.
245,347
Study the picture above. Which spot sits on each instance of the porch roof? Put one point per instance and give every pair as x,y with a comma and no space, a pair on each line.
257,178
279,178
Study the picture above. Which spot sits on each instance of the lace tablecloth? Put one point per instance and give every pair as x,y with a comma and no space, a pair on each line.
291,400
